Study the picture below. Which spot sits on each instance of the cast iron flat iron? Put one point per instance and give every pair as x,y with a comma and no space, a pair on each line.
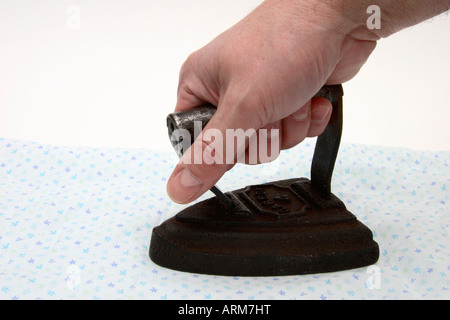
287,227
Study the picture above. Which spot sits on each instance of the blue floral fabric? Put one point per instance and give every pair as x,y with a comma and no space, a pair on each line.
75,223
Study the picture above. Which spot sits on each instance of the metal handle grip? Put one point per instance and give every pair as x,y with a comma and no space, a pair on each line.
327,144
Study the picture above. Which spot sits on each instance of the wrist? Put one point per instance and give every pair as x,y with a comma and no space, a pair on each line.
339,18
375,19
392,16
356,18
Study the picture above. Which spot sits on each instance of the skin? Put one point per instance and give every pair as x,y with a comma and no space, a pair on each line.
263,71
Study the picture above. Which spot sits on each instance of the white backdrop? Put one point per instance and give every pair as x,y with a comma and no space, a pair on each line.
105,73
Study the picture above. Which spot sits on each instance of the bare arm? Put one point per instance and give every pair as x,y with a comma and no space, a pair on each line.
262,72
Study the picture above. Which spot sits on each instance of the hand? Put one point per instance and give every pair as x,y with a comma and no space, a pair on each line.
262,73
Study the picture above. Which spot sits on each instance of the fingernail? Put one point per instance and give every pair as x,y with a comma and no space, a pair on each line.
184,186
320,113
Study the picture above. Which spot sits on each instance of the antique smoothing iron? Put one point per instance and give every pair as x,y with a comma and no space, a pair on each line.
287,227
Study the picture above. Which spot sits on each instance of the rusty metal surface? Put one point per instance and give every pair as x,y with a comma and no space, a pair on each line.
276,229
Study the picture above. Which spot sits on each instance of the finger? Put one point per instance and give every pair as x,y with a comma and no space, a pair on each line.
192,90
190,180
212,154
296,126
264,146
187,99
321,110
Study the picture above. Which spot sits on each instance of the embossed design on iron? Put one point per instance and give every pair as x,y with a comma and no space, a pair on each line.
274,200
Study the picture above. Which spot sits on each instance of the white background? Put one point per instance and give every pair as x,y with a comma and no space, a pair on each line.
110,77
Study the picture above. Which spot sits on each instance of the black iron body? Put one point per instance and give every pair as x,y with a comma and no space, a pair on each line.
286,227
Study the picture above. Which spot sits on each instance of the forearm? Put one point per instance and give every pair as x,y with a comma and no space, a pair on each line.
352,17
395,15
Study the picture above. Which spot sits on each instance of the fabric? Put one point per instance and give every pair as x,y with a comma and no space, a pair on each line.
75,223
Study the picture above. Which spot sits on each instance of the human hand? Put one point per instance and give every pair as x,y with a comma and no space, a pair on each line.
263,73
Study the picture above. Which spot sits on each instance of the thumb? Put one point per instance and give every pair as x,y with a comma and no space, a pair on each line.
213,153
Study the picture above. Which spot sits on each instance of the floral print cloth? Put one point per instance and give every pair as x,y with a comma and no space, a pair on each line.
76,222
